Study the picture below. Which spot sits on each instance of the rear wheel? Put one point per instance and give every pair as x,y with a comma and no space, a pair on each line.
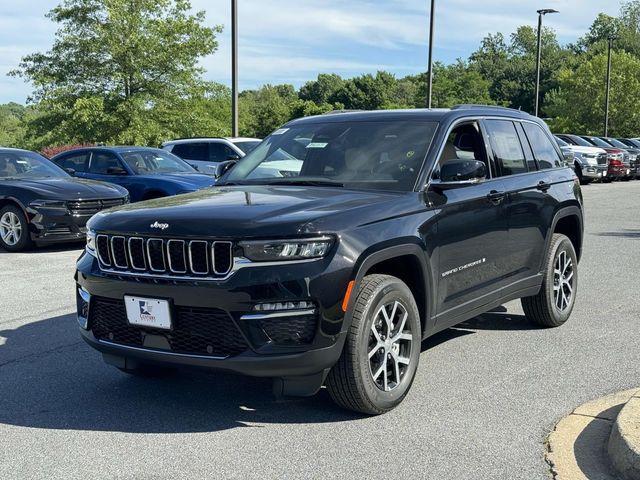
382,349
552,306
14,229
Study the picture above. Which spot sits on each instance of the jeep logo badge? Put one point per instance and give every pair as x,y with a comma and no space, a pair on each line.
161,226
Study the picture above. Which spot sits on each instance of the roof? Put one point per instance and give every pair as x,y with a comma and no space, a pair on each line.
111,148
209,139
429,114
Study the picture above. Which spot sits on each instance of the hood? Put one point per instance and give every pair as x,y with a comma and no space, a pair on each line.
187,181
253,211
592,150
68,188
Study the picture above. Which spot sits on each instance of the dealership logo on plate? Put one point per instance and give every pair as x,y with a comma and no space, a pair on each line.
146,311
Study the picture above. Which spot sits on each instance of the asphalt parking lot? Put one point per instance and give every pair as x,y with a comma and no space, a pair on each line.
486,394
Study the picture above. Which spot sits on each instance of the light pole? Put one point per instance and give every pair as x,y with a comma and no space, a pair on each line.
608,89
541,13
430,72
234,68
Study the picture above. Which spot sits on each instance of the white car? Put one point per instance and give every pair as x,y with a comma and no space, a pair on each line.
206,153
590,163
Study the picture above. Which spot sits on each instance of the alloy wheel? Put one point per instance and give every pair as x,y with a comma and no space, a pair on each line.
563,281
10,228
390,343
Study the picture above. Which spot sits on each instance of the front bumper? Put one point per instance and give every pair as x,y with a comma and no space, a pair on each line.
50,226
594,172
236,297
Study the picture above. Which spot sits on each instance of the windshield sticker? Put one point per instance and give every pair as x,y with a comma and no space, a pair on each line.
280,131
317,145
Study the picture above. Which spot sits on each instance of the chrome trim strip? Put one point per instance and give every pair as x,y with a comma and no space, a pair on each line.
322,238
164,263
184,256
278,314
213,257
124,244
102,261
206,257
161,352
144,258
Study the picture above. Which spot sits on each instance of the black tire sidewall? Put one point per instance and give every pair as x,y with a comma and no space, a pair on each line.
388,291
25,239
564,244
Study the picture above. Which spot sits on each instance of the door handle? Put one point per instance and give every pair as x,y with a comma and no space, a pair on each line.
496,197
543,186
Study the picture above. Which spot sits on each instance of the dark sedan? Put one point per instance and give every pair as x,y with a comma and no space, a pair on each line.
41,203
146,173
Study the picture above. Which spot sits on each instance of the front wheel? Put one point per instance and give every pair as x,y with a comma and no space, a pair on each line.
14,229
382,349
552,306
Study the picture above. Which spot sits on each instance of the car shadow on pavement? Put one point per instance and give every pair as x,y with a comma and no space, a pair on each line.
51,379
58,247
625,233
497,320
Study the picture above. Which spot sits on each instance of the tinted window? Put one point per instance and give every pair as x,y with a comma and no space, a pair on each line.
506,147
146,162
247,146
544,151
22,164
383,155
219,152
77,161
192,151
101,162
465,142
528,153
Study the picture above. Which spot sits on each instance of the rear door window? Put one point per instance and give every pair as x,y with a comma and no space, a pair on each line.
219,152
506,147
544,151
102,162
77,162
192,151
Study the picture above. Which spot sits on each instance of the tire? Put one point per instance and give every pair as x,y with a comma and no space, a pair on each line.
546,309
12,219
351,381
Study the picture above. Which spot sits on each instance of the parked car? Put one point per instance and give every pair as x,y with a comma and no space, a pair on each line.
41,203
399,224
619,159
206,154
146,173
589,163
632,150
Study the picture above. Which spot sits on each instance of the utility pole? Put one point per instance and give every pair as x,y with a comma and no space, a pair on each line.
234,68
608,89
430,72
541,13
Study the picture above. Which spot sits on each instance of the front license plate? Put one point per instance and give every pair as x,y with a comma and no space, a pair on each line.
148,312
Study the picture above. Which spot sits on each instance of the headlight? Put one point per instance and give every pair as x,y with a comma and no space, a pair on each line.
49,204
91,242
277,250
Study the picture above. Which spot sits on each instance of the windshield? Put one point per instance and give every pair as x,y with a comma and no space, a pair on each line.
371,155
579,141
561,142
145,162
598,142
617,143
247,146
19,164
633,143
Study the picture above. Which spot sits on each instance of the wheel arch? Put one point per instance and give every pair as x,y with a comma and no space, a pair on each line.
409,263
569,221
4,201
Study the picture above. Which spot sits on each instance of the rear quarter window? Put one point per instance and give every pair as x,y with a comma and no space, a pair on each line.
543,150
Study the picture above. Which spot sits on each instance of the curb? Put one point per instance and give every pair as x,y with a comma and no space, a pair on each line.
624,442
577,448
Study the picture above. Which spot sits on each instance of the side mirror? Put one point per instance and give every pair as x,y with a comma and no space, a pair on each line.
70,171
116,171
224,167
459,173
569,156
233,156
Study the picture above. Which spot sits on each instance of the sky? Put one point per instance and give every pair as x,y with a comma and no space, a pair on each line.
292,41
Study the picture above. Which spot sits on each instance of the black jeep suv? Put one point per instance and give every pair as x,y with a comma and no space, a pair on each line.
329,253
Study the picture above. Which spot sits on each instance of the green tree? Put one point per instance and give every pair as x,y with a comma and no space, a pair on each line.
321,90
12,129
118,71
578,102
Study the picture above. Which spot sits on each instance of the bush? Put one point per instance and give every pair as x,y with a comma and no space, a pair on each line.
50,152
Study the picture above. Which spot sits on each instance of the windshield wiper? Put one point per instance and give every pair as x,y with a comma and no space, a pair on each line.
303,182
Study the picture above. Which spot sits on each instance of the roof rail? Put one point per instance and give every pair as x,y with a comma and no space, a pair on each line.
335,112
466,106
